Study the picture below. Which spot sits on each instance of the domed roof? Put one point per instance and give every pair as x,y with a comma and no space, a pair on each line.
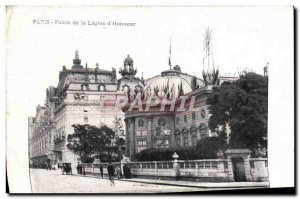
170,83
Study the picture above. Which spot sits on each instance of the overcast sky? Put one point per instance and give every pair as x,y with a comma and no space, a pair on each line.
241,37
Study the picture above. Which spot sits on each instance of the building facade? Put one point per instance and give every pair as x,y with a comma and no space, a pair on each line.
83,95
172,113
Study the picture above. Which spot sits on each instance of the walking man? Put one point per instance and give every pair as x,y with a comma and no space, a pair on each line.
111,173
101,171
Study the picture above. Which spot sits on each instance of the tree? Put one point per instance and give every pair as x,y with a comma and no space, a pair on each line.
81,142
88,141
118,127
243,106
102,141
208,147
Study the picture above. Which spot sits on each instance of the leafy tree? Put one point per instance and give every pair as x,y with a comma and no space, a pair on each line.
81,142
118,127
88,141
243,106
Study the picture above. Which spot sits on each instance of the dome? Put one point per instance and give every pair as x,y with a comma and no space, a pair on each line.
169,83
177,68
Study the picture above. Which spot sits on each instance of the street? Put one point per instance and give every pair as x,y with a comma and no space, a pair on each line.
43,181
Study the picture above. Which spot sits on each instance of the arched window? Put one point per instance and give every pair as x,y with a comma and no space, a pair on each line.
193,132
84,87
101,87
185,135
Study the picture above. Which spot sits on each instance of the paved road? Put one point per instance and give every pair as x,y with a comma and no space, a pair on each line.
44,181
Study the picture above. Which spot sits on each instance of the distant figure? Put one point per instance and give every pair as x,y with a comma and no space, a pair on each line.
127,172
118,172
111,173
78,168
101,171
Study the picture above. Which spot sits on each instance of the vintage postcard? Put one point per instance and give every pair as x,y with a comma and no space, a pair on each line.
146,99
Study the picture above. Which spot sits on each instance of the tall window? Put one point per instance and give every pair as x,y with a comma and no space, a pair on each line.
178,140
185,118
142,145
193,116
185,141
194,140
86,120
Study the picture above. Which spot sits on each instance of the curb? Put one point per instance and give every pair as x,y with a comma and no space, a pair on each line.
180,185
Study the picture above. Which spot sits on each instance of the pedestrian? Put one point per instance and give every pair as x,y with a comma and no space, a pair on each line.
118,172
101,171
78,168
111,173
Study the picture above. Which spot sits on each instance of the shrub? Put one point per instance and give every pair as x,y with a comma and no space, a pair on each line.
187,153
209,147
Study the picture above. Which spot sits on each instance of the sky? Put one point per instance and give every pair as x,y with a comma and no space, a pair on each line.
242,37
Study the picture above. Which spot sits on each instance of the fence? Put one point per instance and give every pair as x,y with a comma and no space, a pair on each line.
216,170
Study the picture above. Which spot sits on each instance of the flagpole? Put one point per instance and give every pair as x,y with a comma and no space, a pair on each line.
170,64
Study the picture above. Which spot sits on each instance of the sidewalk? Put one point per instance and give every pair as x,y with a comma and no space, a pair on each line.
192,184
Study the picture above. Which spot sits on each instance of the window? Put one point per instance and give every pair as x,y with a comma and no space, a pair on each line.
142,145
185,118
252,164
194,140
141,123
185,141
178,140
161,122
225,165
85,87
164,143
193,116
177,120
101,88
86,120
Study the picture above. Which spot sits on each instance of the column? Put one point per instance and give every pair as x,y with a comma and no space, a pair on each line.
149,131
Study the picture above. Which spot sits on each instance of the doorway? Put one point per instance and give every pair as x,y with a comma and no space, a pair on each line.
238,169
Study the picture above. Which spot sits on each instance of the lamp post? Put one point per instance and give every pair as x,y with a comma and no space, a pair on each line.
176,166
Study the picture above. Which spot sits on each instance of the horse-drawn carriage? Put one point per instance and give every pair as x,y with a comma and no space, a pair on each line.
66,168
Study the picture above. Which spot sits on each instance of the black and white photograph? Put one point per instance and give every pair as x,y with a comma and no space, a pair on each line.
148,99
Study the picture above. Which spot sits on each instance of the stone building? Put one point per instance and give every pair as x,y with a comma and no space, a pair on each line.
171,110
41,131
83,95
178,117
